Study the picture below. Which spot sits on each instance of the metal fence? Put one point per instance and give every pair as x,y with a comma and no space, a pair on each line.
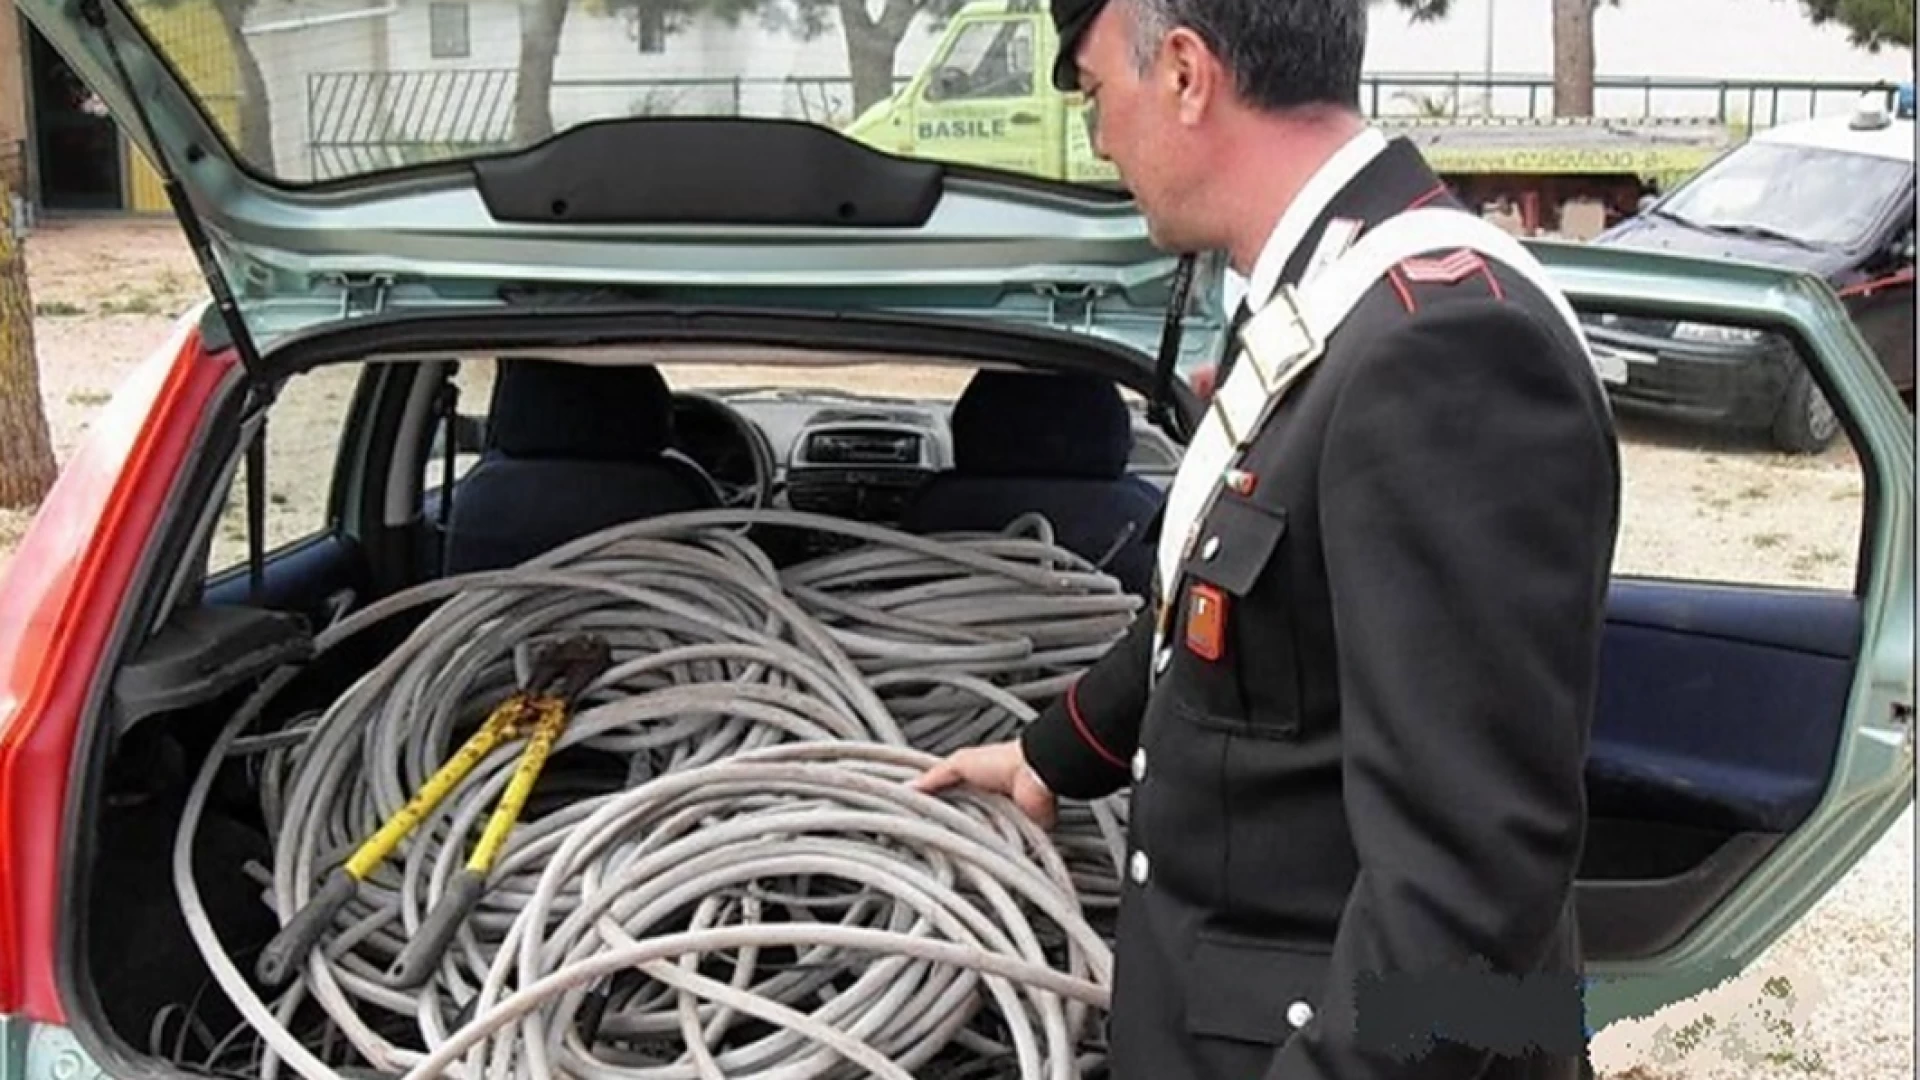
1753,103
363,120
358,121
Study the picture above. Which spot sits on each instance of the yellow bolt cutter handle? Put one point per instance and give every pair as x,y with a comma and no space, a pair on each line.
425,947
561,672
569,667
498,729
546,732
282,955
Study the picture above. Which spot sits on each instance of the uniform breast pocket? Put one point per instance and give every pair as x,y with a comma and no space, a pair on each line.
1237,617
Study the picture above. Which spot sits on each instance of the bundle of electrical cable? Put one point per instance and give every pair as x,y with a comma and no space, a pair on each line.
723,871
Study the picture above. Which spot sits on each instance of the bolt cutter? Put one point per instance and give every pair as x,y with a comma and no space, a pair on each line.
538,713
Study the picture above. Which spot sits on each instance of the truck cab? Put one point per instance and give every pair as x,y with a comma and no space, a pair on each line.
983,98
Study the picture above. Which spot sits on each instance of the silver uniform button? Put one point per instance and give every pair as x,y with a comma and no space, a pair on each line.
1299,1014
1211,548
1139,765
1138,868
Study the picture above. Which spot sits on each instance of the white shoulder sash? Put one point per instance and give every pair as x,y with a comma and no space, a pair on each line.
1284,339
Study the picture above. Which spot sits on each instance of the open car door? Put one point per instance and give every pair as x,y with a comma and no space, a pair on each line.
1753,735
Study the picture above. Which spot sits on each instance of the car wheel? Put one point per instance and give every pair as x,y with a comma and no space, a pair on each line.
1806,422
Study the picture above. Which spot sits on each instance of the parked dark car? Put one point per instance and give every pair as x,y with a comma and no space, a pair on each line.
1833,196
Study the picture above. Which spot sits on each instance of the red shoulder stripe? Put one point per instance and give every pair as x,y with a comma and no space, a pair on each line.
1446,270
1399,286
1493,282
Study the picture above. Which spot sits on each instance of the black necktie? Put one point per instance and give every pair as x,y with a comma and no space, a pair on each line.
1231,347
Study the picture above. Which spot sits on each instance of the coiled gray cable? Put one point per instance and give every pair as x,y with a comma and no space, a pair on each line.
763,724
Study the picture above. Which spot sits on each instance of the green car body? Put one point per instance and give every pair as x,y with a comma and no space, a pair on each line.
308,262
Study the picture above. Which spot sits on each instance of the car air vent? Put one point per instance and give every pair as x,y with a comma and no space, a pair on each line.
865,470
880,495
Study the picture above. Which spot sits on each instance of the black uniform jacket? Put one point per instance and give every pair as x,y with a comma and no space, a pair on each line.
1357,810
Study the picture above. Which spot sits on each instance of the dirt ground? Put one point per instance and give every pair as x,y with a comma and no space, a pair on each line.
1834,997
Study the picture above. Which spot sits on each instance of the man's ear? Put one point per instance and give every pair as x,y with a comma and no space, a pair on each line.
1194,74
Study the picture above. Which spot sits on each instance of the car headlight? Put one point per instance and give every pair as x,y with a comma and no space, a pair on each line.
1710,334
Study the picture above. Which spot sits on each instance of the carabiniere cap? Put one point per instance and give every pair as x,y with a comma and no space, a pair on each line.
1071,18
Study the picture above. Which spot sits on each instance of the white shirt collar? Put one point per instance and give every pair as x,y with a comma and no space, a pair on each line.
1320,191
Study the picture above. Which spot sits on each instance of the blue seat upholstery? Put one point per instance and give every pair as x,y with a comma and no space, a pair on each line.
1057,445
571,449
1720,707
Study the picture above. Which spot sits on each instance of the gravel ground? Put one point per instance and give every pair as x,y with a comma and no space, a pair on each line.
1834,997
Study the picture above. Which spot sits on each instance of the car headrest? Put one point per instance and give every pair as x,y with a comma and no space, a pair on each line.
1024,424
585,412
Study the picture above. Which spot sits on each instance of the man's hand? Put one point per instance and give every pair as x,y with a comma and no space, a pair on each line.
1203,381
1001,769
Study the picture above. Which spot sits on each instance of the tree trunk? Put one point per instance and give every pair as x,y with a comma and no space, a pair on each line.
871,45
541,22
1573,57
26,453
870,62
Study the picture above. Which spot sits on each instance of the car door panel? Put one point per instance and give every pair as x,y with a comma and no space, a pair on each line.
1751,739
1720,707
1719,713
1639,919
309,577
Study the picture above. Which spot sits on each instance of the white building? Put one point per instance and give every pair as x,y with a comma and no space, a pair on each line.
445,69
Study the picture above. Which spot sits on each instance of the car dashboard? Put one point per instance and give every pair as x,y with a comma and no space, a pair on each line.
862,459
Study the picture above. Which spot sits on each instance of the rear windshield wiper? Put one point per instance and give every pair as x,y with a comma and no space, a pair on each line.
1661,211
1762,232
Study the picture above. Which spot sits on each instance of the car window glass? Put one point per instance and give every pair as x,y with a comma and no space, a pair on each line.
988,60
303,440
776,396
1813,196
1734,467
317,90
749,383
473,389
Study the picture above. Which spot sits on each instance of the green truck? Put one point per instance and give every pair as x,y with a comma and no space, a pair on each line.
983,98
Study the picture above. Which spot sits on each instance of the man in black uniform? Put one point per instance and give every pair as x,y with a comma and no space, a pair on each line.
1356,756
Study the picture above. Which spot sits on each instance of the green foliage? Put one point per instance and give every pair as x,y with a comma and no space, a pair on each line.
1871,24
871,40
804,19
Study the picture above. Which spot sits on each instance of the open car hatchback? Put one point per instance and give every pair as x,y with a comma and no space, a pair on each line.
448,351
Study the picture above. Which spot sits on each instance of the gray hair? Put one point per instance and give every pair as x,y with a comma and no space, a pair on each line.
1282,54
